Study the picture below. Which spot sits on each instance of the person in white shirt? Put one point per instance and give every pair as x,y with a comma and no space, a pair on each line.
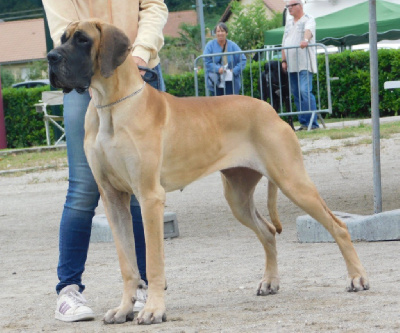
301,63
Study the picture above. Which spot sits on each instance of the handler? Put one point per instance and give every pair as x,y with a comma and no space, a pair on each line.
143,22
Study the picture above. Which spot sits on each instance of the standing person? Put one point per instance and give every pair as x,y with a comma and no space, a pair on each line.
300,63
223,73
143,22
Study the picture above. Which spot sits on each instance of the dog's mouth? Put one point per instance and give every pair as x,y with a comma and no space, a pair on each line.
60,77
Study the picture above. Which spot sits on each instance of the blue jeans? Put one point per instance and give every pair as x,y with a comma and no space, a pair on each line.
227,91
301,88
83,197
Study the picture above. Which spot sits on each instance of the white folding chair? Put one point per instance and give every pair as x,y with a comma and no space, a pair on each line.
51,98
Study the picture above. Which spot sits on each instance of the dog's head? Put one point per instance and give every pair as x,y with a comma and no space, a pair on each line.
273,69
87,47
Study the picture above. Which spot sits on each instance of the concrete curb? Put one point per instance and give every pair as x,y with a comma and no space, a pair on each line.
31,169
101,231
6,152
356,123
379,227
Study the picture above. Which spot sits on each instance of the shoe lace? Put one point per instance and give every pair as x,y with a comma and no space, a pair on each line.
76,297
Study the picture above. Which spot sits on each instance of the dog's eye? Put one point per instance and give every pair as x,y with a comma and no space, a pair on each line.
82,39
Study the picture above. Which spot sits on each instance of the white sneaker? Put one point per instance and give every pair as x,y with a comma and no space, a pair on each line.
71,305
141,297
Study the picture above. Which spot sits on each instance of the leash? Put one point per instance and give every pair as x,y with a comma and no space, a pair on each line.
121,99
150,76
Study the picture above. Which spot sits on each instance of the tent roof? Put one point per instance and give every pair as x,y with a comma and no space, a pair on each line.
350,26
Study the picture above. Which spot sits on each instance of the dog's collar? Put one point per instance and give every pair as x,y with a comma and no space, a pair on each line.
121,99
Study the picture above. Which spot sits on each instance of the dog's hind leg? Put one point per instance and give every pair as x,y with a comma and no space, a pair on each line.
300,189
239,185
282,158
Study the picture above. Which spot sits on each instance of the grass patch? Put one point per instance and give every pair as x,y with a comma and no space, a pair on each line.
45,159
341,135
386,131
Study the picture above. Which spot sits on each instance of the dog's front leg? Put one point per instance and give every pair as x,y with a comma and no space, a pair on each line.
152,205
116,205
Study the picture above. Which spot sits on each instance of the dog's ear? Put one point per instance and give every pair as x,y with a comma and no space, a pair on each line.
113,50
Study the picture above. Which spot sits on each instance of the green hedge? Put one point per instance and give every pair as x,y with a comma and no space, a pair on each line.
350,94
24,126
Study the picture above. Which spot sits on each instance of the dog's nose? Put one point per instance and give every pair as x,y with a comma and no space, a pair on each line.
53,57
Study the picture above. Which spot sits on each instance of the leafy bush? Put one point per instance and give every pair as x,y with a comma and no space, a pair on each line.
183,85
24,126
351,94
249,24
7,77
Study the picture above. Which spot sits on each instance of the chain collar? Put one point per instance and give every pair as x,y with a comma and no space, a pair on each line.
122,99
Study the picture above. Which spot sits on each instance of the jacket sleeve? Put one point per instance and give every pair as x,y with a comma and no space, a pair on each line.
59,14
153,16
212,64
240,60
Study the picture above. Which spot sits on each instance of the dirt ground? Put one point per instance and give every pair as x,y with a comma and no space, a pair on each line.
214,267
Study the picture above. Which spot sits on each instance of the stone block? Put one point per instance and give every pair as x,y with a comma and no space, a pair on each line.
384,226
101,231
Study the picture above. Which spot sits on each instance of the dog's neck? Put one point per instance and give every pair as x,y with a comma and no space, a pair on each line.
125,80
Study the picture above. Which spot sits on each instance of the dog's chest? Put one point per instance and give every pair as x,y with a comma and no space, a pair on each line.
111,161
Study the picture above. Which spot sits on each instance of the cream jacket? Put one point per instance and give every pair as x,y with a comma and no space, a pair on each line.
142,20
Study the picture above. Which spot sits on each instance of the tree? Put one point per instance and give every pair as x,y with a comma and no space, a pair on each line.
37,70
20,10
7,77
177,5
190,37
249,23
178,54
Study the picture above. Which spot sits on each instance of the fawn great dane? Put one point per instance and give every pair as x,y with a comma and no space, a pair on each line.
142,141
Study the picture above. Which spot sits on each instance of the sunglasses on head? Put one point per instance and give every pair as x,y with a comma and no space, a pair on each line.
290,6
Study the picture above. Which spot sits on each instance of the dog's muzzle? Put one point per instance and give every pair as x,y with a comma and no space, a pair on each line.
62,77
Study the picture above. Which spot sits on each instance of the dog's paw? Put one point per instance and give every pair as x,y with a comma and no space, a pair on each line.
357,283
149,318
118,316
268,287
152,313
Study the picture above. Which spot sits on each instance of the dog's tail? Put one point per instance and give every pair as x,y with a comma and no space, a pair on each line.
273,212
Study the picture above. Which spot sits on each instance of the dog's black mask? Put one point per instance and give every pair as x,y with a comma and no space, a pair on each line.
70,64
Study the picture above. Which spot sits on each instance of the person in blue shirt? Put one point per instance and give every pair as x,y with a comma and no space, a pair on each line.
223,73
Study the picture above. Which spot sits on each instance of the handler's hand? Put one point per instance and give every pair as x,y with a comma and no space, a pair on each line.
303,44
284,66
140,62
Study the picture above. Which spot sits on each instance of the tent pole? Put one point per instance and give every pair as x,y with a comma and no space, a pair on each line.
373,53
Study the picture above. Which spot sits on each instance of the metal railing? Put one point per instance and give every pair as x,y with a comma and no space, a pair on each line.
258,80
